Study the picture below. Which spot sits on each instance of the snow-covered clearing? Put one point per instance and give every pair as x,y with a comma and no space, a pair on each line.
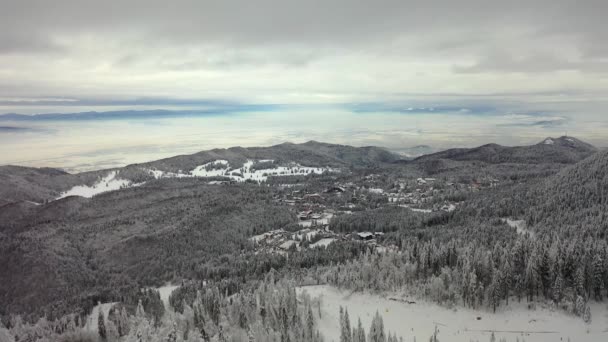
270,234
426,211
323,220
323,242
449,208
519,225
93,319
222,168
418,320
165,292
217,168
108,183
304,234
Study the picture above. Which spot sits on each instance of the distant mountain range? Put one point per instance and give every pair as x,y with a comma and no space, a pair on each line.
113,115
415,151
564,150
41,184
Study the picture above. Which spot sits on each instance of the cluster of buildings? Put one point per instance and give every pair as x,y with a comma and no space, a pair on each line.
315,205
281,242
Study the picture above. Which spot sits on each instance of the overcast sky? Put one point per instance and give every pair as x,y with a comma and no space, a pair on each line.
526,69
302,51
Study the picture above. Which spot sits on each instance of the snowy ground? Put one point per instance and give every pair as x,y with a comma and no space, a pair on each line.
165,292
111,182
323,242
519,225
323,220
243,173
417,321
108,183
92,320
426,211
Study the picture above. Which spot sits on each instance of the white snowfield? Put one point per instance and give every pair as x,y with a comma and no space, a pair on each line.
217,168
245,172
426,211
417,321
376,190
108,183
323,220
519,225
93,319
323,243
92,323
165,292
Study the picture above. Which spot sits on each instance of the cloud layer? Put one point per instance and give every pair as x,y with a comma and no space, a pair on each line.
301,51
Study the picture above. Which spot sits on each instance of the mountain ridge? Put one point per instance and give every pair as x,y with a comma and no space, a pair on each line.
564,150
18,183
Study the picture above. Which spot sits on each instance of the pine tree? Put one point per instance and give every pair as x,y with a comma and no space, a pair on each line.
579,307
558,289
376,331
310,324
587,315
347,333
172,337
434,336
101,324
139,312
580,281
495,290
598,276
342,325
360,332
124,322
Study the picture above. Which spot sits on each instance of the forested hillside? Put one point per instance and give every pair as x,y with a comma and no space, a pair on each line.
149,234
471,233
45,184
564,150
575,201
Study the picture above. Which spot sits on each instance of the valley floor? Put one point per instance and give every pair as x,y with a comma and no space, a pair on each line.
416,322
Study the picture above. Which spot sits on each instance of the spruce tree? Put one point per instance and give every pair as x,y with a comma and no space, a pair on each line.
101,324
558,289
376,331
360,332
587,315
347,332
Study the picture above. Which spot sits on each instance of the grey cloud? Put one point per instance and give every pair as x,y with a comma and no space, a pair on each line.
537,62
19,42
297,50
224,60
294,21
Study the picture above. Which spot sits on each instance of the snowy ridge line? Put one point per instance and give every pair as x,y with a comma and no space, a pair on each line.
245,172
110,182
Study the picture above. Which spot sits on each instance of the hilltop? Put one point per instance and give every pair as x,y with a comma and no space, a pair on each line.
43,184
563,150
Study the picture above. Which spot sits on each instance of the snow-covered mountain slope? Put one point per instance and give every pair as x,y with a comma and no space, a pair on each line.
107,183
